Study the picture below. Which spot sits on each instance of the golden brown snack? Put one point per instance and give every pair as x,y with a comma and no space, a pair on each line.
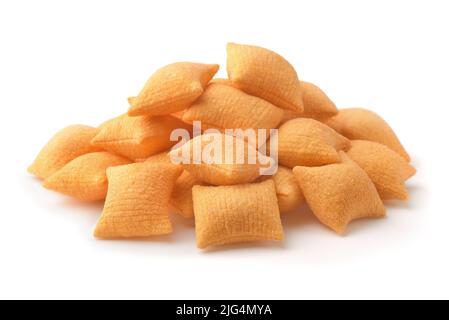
66,145
137,204
219,171
288,192
138,137
85,177
386,168
362,124
263,73
307,142
222,106
236,214
339,193
172,88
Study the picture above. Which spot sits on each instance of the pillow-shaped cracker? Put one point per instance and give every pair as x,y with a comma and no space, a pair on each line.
138,137
362,124
288,192
66,145
222,106
137,204
308,142
339,193
386,168
265,74
172,88
181,198
221,159
317,104
235,214
85,177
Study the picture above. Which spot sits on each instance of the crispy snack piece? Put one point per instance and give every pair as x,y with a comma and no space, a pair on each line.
138,137
288,192
172,88
222,106
66,145
307,142
205,157
181,197
317,104
235,214
265,74
85,177
362,124
386,168
137,204
339,193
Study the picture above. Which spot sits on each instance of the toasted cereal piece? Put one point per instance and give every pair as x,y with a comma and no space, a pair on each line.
362,124
138,137
339,193
265,74
222,106
236,214
137,204
222,81
85,177
288,192
172,88
66,145
220,159
387,169
307,142
181,198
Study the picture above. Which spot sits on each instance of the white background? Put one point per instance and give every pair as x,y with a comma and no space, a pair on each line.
66,62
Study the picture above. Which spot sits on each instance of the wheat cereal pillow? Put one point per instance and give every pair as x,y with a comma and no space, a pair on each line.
138,137
339,193
308,142
181,198
222,106
288,192
172,88
362,124
85,178
65,146
238,170
265,74
317,104
137,203
236,214
386,168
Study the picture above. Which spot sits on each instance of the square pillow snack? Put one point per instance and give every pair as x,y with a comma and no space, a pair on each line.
138,137
317,104
386,168
220,172
339,193
85,178
137,204
235,214
288,192
181,199
222,106
265,74
172,88
65,146
307,142
362,124
341,163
